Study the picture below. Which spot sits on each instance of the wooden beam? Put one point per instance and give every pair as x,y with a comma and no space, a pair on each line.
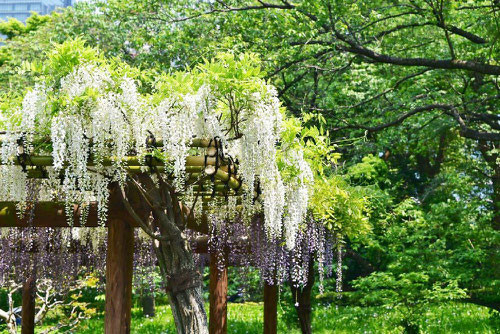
119,266
51,214
47,214
28,307
270,308
218,298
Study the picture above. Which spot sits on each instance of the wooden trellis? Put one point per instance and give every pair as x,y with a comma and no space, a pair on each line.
119,260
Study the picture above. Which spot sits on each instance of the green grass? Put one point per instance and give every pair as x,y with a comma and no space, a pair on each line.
444,318
247,318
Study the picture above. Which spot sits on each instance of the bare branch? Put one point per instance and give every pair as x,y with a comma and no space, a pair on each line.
4,315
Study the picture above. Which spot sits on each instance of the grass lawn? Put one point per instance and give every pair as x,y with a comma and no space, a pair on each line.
247,318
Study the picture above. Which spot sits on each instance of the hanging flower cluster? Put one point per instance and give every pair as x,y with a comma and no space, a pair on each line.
145,275
49,253
236,243
94,121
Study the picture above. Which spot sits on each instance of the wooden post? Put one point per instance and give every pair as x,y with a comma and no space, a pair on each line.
148,303
28,307
119,262
270,308
218,298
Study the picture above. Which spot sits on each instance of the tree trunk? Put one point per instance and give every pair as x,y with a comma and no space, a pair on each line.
184,286
11,324
490,155
496,198
302,299
11,327
144,199
28,307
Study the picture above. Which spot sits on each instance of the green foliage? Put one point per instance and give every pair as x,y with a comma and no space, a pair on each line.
341,207
408,293
371,170
13,27
65,57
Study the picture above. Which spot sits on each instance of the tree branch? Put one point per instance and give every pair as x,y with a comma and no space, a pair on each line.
398,83
424,62
138,219
465,131
399,28
4,315
470,36
227,9
397,121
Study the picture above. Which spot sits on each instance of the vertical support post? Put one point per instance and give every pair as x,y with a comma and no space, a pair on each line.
119,263
148,303
270,308
218,298
28,307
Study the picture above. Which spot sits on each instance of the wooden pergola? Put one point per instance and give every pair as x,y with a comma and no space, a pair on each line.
120,250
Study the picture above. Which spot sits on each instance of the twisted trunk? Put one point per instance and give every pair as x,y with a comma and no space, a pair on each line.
11,325
184,286
145,199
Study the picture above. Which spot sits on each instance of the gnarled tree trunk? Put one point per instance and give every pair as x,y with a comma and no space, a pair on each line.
156,208
184,286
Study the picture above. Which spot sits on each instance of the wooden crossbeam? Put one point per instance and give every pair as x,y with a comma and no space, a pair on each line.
47,161
51,214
